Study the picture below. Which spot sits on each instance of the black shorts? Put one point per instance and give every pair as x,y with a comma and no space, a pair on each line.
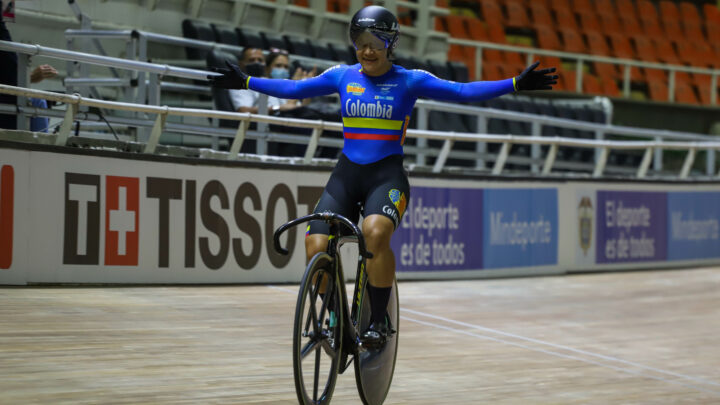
380,188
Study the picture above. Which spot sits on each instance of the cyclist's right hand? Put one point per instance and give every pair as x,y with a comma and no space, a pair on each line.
230,78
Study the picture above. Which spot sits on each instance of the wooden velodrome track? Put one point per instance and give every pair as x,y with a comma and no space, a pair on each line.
615,338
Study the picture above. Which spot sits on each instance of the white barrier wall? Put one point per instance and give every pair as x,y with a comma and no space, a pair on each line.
80,218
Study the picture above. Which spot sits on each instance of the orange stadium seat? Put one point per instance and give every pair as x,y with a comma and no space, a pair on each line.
665,51
478,32
610,23
626,8
656,75
605,7
597,45
589,23
605,71
684,93
516,15
610,87
658,91
560,5
491,11
491,71
591,84
693,32
566,19
712,14
630,25
582,7
645,48
621,48
646,10
689,14
672,29
572,41
652,28
547,38
668,10
540,16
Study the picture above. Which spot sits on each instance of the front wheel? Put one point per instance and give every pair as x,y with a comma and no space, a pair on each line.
374,368
317,335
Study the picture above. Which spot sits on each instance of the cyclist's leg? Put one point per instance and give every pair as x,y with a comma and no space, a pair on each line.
384,209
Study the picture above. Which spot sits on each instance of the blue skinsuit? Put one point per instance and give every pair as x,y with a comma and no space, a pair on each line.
376,109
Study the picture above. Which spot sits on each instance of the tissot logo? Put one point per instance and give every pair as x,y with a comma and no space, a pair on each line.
206,204
7,197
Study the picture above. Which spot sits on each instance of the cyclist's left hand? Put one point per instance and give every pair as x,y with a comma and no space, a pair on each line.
531,79
231,78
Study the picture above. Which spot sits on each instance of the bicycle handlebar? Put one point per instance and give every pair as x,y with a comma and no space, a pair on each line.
328,217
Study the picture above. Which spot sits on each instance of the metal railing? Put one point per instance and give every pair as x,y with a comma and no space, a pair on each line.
690,142
580,59
244,119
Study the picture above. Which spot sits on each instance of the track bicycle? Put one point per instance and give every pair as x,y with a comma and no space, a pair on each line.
327,329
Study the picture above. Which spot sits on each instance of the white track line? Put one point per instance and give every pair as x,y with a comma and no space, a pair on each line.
566,356
562,347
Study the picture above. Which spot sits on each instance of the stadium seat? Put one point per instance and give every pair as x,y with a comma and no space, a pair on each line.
197,30
605,7
250,39
626,7
610,23
298,46
665,51
652,29
645,49
226,34
272,40
491,71
597,44
582,7
565,18
658,91
459,72
341,53
630,25
591,84
646,10
590,23
684,93
221,97
560,5
572,41
516,15
491,11
540,16
547,38
609,87
439,69
321,51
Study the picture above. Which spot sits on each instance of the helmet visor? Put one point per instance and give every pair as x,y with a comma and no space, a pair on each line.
370,40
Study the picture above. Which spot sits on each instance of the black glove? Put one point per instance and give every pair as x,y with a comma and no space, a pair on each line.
231,78
530,79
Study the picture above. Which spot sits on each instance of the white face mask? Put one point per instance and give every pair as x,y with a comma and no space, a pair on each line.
280,73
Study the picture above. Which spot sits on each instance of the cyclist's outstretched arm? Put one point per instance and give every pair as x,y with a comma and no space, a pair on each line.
323,84
424,84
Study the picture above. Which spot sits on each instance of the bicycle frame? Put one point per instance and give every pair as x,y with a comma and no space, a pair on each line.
335,240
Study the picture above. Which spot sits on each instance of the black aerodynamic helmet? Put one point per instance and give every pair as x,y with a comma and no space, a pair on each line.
379,21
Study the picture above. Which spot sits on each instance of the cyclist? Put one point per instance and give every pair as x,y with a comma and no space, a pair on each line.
377,98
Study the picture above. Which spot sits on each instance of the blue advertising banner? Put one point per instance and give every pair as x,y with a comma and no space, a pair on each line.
520,227
631,226
441,230
694,225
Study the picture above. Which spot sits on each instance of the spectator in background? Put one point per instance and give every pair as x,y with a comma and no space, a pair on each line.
277,66
40,73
